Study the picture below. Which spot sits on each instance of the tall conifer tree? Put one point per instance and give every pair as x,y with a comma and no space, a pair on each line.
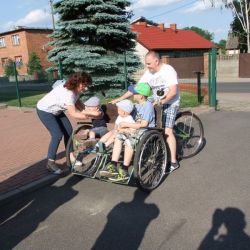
93,35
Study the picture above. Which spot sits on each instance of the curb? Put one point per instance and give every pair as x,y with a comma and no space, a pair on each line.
3,105
10,196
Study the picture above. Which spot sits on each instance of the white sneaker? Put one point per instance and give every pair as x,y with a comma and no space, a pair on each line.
173,167
77,163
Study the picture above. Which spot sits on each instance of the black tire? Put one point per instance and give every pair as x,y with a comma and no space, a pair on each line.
151,159
81,149
189,134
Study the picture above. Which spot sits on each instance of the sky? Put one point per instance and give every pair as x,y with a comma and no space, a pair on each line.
184,13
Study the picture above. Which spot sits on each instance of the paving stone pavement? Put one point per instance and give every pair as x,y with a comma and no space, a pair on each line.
23,150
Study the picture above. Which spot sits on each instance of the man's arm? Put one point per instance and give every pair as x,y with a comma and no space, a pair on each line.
124,96
172,92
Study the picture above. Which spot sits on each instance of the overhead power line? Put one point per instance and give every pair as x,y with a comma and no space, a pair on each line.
172,10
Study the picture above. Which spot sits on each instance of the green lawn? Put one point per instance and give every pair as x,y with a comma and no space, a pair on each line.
188,99
30,98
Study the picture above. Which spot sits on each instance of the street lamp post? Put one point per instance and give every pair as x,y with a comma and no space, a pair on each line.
52,14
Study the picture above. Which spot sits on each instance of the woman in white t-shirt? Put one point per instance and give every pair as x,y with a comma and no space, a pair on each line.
51,108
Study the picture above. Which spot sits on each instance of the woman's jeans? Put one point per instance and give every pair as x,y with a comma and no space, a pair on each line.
58,126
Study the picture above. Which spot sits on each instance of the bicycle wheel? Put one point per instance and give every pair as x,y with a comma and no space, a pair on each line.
189,134
150,160
81,149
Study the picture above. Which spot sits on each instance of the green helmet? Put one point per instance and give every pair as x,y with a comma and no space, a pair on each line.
143,88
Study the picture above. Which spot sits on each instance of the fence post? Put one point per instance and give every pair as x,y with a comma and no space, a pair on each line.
199,73
125,72
212,78
17,87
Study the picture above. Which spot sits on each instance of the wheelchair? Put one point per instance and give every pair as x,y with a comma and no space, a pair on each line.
151,153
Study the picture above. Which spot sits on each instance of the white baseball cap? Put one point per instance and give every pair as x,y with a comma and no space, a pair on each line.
125,105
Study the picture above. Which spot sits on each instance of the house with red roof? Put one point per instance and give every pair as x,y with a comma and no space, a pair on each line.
183,49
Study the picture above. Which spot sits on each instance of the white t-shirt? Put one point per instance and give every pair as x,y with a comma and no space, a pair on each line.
162,79
57,100
128,119
120,119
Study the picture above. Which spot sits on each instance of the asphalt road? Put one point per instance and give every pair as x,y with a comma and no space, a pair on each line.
233,87
225,87
181,214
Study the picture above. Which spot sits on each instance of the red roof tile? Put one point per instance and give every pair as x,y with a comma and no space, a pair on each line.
153,37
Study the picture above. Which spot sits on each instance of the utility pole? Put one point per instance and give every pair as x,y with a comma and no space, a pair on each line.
52,14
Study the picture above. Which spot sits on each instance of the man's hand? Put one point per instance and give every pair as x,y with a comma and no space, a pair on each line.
114,101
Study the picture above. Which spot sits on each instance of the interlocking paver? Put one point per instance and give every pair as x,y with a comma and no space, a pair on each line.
23,148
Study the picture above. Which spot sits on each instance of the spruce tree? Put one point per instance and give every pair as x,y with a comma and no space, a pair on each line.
94,35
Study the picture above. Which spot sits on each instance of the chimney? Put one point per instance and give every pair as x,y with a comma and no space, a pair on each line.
173,26
161,26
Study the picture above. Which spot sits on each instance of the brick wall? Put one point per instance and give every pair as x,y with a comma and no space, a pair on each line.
30,41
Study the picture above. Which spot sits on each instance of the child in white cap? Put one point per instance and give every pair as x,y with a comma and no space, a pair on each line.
92,105
125,108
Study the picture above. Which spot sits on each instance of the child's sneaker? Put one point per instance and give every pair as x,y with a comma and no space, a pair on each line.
109,170
123,175
173,167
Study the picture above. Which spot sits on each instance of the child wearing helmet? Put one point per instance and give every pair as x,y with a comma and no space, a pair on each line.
144,117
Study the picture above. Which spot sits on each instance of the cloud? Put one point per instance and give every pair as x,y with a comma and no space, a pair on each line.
33,17
143,4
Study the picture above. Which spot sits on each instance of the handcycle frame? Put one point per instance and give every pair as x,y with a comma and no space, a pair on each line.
151,153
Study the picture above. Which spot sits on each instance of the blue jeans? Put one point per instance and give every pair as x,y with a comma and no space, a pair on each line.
58,126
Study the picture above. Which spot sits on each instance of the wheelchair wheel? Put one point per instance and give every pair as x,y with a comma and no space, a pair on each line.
189,134
81,149
151,158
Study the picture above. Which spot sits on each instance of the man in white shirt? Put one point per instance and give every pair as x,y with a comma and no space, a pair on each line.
162,76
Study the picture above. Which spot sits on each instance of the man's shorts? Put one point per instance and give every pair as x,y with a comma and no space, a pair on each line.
169,114
129,139
100,131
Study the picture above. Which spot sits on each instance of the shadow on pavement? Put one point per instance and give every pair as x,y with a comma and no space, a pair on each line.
21,218
27,175
233,237
127,223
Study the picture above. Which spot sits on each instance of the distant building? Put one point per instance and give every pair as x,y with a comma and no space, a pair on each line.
171,42
19,43
183,49
232,45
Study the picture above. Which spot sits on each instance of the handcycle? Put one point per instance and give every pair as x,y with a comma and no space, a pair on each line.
151,153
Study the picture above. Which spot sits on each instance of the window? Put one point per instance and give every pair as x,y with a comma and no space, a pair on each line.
4,61
2,42
15,39
19,61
